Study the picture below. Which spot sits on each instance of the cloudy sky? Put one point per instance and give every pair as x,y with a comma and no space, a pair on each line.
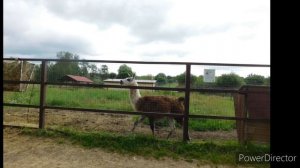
220,31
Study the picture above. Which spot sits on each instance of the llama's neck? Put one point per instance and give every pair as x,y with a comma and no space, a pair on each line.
134,96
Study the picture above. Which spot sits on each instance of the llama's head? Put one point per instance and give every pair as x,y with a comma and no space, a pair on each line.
178,107
130,81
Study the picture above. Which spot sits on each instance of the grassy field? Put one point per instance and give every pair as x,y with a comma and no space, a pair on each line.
118,99
205,151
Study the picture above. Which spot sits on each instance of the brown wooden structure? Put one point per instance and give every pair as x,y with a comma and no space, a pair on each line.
76,79
253,104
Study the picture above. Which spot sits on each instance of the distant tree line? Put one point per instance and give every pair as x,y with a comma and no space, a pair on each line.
225,80
56,70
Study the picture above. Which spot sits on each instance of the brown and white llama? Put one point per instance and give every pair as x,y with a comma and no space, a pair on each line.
162,104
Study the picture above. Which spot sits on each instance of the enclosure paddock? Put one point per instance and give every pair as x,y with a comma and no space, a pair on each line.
93,107
115,123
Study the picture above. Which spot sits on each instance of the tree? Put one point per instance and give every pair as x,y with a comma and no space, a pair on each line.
229,80
171,79
253,79
93,71
104,69
61,68
84,71
84,68
104,72
268,80
93,68
146,77
67,55
37,73
181,79
124,71
112,75
201,84
161,78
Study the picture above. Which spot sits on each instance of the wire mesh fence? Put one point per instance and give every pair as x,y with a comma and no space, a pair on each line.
90,98
20,116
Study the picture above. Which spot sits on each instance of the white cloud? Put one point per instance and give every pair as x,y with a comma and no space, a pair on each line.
232,31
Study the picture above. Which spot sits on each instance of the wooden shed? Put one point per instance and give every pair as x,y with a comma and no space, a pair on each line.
253,102
76,79
146,83
17,71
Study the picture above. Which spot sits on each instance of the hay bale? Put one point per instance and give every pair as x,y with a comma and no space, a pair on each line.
18,71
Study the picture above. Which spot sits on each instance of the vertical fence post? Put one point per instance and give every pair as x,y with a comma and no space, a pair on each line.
187,103
43,94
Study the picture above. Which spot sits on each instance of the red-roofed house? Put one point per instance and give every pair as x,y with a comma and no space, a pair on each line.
76,79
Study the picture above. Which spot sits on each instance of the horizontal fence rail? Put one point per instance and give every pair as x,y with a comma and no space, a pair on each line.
20,105
115,111
186,89
140,62
208,90
19,82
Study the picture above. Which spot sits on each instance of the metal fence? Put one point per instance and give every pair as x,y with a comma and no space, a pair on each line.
186,89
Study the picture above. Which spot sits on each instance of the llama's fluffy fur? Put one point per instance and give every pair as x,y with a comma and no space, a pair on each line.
162,104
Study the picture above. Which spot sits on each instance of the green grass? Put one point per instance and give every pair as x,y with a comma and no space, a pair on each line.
211,125
88,98
31,96
208,151
118,99
208,104
169,85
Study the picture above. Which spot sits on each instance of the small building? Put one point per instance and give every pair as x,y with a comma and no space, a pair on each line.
76,79
146,83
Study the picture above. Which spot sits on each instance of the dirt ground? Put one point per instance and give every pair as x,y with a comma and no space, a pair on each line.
87,121
31,152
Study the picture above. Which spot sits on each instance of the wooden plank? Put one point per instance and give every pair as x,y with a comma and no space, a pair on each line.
240,111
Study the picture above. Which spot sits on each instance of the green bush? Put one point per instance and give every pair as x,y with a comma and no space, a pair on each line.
161,78
199,83
267,80
181,79
253,79
229,80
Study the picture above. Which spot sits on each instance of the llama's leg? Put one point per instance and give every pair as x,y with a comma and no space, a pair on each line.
141,119
172,126
152,125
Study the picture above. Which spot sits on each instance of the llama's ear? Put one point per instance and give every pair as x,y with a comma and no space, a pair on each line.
181,99
133,75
